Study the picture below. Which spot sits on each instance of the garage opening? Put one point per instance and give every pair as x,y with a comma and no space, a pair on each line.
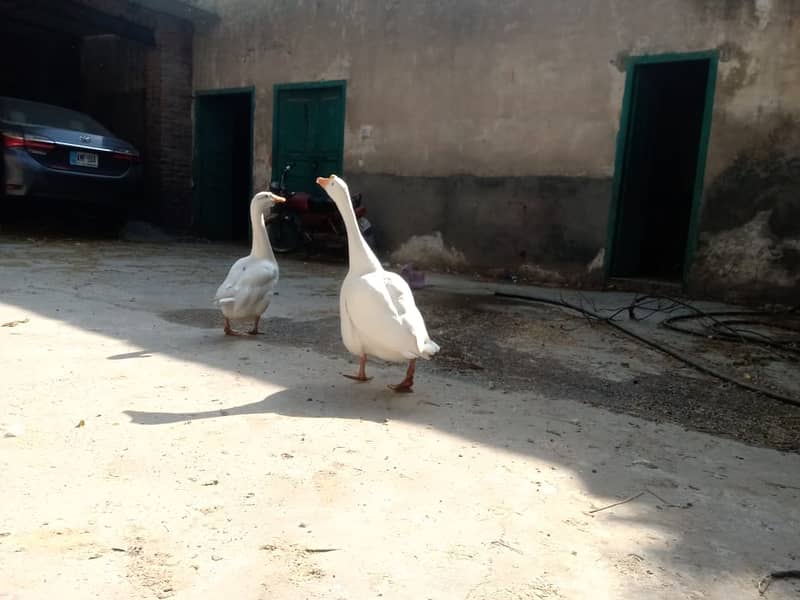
666,116
223,163
39,65
71,56
76,57
127,65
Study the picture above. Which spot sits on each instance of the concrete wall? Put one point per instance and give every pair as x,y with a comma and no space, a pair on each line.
495,122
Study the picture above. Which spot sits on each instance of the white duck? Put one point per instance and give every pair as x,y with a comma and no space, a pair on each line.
247,290
377,310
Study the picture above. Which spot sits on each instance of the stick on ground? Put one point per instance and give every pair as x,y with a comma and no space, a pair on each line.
767,580
634,497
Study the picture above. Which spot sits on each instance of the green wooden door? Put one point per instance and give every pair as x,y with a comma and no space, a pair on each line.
213,165
308,132
636,175
223,163
666,116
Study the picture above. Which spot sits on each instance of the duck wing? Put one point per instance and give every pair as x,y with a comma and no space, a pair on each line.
383,310
247,282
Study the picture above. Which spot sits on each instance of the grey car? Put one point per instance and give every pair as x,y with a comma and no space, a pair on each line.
53,152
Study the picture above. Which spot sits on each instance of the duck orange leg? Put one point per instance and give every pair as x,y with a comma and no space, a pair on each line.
362,370
228,329
254,330
407,383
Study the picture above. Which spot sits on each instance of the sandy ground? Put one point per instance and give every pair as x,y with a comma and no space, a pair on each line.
145,455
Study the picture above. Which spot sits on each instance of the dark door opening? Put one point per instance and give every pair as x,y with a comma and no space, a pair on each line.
666,114
309,132
223,164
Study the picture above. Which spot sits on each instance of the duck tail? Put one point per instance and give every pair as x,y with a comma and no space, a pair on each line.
429,348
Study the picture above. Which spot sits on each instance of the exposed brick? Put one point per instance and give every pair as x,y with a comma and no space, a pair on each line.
164,74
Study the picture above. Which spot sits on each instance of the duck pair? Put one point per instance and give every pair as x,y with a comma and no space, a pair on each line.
377,311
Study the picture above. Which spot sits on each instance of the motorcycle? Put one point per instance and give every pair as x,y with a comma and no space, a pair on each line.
311,220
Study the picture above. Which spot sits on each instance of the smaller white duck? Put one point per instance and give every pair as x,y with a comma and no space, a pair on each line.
248,288
376,307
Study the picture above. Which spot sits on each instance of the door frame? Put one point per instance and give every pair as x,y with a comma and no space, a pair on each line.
340,84
249,90
623,136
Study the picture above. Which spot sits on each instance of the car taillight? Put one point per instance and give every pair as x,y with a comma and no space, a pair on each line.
13,140
38,145
33,143
132,157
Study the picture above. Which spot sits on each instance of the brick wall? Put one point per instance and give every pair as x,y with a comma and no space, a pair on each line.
113,89
156,82
168,100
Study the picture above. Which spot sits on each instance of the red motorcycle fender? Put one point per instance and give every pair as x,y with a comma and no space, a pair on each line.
298,202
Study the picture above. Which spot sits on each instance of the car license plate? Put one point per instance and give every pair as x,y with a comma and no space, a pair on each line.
83,159
363,224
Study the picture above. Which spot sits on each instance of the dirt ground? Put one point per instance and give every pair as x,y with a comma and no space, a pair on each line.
146,455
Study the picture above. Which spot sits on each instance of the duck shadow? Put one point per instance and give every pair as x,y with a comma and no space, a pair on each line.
363,402
671,497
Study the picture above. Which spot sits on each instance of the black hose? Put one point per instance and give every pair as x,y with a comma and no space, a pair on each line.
655,345
725,330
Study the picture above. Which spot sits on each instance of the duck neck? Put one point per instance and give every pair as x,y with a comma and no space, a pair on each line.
261,247
361,257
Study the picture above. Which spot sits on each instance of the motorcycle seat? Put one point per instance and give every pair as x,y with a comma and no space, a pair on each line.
321,204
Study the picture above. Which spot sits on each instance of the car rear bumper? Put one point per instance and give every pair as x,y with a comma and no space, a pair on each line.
24,176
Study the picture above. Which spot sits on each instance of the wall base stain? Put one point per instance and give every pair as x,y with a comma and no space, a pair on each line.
750,185
492,222
429,251
749,245
749,264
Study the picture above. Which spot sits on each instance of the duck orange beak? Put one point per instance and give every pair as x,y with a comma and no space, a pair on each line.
323,181
278,199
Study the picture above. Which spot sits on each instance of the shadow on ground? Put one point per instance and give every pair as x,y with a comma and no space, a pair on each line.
87,285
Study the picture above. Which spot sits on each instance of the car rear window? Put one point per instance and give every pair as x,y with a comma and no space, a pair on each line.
25,112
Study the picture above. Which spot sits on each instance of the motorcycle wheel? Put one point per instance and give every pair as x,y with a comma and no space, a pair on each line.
369,237
283,235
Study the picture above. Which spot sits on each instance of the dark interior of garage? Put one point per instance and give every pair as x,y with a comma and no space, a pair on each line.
77,57
38,64
125,63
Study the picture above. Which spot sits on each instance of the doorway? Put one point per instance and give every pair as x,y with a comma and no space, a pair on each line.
660,164
308,132
223,163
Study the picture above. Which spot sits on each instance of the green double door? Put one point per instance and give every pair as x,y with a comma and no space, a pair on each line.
308,132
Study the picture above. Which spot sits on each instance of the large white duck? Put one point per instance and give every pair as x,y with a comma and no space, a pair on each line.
248,288
377,310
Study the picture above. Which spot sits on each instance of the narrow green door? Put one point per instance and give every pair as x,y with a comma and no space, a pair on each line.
223,163
213,164
308,132
660,165
637,165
